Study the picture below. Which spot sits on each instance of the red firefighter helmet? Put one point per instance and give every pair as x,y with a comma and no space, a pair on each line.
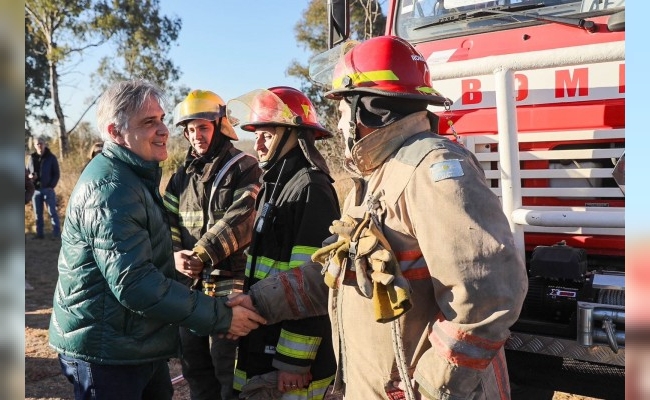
384,65
276,106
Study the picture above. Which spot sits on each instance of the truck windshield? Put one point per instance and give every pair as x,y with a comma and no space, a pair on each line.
424,20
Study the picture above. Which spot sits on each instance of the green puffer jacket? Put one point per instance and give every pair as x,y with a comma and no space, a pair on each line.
116,300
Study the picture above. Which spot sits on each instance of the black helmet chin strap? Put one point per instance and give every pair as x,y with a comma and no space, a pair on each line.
265,165
354,105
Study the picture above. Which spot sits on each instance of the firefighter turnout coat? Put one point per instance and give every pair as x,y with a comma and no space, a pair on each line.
306,205
214,208
453,245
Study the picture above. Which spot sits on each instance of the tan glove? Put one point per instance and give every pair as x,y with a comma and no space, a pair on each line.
201,252
334,256
377,270
390,290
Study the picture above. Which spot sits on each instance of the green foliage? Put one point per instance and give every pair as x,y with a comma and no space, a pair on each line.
37,85
366,21
143,38
61,31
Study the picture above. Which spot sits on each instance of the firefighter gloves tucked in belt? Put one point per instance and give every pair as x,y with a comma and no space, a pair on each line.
377,270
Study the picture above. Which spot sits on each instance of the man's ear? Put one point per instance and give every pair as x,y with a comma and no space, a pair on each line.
115,134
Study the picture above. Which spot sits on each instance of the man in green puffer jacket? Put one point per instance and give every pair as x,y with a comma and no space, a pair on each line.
117,307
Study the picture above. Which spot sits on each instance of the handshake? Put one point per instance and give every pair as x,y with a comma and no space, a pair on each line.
245,317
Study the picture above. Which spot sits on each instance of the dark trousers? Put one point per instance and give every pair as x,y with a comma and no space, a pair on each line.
208,366
147,381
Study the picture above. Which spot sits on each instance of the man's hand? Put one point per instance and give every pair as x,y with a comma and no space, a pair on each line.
188,264
288,381
243,321
240,299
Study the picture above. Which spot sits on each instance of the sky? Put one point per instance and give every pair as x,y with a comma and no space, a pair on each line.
227,46
232,47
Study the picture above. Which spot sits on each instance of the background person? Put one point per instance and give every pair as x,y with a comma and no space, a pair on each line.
210,201
95,149
44,171
117,306
437,279
290,359
29,187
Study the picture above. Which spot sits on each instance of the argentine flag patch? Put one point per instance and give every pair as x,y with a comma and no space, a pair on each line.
446,169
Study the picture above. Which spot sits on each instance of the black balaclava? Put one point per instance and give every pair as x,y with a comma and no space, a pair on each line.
377,112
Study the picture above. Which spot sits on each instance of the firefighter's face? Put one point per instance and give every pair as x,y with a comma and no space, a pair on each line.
344,125
266,139
200,132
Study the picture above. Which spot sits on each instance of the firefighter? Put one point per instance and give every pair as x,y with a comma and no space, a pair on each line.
297,203
210,202
425,276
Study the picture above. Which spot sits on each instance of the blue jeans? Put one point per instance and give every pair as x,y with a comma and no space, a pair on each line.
48,197
148,381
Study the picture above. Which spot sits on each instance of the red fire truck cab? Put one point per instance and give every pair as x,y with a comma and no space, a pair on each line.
538,91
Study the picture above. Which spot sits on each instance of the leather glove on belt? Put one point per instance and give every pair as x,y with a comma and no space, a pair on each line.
378,273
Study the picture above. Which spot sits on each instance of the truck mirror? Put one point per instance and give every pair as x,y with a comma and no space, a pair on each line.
339,21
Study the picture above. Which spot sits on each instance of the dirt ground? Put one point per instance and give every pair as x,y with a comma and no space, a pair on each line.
43,379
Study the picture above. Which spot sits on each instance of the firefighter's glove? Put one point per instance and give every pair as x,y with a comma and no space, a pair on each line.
333,256
390,290
201,253
261,387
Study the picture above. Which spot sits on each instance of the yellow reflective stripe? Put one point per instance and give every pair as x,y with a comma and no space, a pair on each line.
298,346
300,255
363,77
239,379
176,234
315,391
191,219
171,202
265,266
425,89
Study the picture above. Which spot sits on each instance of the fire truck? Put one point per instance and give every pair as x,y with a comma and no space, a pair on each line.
537,90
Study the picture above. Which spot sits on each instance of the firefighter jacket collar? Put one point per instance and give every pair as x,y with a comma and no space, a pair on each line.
371,151
206,168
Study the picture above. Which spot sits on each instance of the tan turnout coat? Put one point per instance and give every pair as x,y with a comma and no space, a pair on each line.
454,246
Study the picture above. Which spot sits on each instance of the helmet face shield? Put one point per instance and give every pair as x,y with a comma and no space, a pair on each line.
276,106
321,66
383,65
258,108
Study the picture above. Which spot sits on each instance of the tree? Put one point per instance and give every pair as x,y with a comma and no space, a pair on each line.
366,21
67,28
36,82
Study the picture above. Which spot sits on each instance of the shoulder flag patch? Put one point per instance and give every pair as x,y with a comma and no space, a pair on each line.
446,169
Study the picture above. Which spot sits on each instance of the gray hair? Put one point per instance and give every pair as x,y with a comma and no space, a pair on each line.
121,100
